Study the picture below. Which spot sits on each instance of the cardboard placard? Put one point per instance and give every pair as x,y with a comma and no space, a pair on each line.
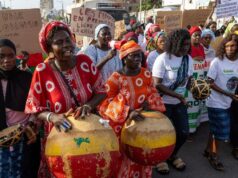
161,14
172,22
85,20
195,17
119,28
216,43
22,27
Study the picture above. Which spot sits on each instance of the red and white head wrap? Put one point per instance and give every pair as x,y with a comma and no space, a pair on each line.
45,30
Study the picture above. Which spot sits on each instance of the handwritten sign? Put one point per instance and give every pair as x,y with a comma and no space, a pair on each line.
85,20
22,27
119,28
161,14
216,43
172,22
195,17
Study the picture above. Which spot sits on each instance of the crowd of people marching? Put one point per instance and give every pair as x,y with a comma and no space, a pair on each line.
150,70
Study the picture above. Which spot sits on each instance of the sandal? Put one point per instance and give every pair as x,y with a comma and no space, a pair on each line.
235,153
178,163
162,168
215,163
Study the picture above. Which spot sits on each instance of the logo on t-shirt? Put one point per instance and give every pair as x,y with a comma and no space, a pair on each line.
228,72
232,83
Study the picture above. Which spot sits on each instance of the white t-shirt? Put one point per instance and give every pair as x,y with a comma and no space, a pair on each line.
167,69
225,75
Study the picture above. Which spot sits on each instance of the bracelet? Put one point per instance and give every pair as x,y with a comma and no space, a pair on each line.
48,116
88,106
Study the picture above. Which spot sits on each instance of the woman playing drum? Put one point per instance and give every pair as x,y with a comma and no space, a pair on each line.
64,83
128,92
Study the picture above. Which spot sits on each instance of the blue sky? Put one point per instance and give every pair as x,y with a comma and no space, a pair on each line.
26,4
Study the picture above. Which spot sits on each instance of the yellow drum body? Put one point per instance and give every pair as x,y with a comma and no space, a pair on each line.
88,150
150,141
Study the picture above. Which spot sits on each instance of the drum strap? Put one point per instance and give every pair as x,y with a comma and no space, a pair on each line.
67,84
3,123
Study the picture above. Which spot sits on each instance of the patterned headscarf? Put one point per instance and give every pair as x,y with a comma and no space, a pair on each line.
128,48
208,32
45,30
194,29
150,44
151,31
130,35
98,29
156,36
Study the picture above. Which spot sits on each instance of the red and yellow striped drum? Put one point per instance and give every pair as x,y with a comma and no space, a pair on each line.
150,141
90,149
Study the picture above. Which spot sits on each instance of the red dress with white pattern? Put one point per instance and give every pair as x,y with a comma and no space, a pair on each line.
126,93
49,92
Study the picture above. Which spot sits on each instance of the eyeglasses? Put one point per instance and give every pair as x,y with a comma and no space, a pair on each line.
3,56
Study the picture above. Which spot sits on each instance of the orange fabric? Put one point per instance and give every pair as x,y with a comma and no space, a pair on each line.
126,93
128,48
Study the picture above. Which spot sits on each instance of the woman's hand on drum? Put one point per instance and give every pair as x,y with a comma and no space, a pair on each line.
83,111
136,115
61,122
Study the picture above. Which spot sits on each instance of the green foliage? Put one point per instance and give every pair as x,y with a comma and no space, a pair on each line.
149,4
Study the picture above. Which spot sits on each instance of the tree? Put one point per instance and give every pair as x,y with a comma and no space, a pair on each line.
149,4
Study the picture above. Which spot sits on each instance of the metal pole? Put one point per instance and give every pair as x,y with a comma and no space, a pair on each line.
140,9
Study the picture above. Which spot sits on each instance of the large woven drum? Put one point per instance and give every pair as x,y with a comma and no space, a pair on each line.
150,141
90,149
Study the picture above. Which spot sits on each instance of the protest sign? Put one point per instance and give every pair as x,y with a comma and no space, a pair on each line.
215,44
85,20
227,9
195,17
161,14
172,22
22,27
119,28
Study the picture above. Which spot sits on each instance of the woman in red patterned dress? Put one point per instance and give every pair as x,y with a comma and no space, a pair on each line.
64,84
128,92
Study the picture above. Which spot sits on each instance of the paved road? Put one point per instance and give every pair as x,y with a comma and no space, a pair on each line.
197,165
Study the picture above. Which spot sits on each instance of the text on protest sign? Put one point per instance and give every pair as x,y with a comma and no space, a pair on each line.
161,14
195,17
22,27
119,28
172,22
228,9
85,20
